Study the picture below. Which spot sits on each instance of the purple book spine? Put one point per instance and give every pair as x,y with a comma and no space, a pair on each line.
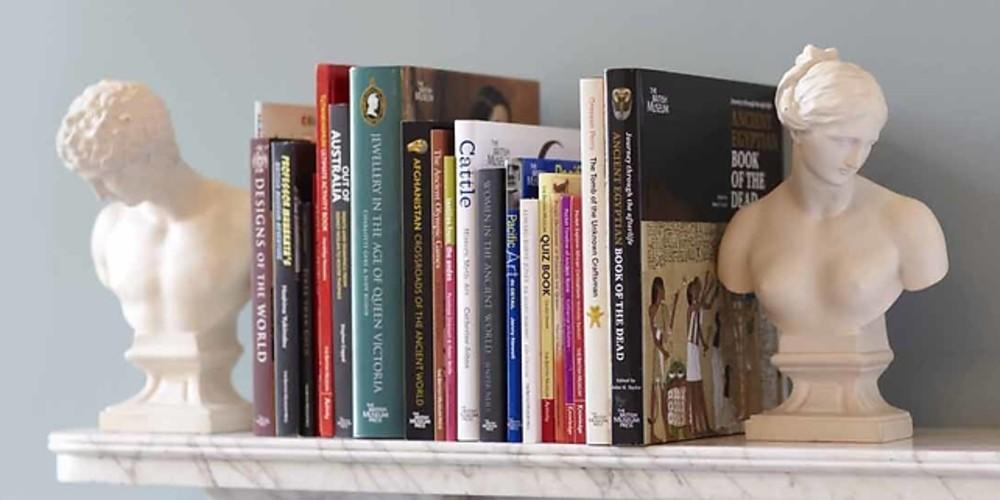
566,217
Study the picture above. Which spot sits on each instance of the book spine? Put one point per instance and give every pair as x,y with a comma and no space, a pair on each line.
417,272
307,322
376,253
340,277
441,143
513,289
628,426
467,300
597,336
566,240
531,419
285,169
579,386
491,184
546,309
450,312
321,255
558,323
260,277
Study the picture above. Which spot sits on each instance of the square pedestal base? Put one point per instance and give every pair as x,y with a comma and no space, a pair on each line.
180,418
828,428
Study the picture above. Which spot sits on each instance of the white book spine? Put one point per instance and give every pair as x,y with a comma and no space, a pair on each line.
467,282
531,411
597,333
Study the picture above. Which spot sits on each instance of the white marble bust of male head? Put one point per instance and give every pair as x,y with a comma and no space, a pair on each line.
118,136
173,247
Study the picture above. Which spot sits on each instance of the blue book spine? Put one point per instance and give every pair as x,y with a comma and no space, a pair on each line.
513,326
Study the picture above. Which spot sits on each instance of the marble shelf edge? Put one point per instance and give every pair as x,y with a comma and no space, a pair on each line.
936,463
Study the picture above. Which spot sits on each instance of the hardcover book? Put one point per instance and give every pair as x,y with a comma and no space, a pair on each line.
441,147
340,276
292,164
579,368
531,419
450,314
491,183
481,144
684,153
274,120
568,305
597,335
331,88
304,244
513,295
260,279
381,98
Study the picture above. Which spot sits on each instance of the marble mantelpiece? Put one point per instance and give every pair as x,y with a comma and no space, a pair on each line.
960,464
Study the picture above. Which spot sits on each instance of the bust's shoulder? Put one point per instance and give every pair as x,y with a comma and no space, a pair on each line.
918,236
748,218
107,219
903,215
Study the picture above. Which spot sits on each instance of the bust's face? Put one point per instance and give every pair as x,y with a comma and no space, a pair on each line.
835,152
126,184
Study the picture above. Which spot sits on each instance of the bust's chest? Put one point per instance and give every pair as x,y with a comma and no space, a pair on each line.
176,270
838,273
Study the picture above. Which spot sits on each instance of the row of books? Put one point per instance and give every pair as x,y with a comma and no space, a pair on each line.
422,272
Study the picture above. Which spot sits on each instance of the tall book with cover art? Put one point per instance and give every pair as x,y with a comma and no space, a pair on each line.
382,97
684,153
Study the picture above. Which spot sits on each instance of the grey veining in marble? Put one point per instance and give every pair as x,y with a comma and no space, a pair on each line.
938,464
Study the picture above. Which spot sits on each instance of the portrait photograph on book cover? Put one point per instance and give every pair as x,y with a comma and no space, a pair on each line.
437,93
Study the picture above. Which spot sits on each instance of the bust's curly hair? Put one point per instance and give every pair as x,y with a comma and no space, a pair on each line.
113,124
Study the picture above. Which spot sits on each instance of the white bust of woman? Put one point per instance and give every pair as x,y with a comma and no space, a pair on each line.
827,253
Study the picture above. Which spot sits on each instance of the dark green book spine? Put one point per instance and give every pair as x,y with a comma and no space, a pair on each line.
628,421
376,252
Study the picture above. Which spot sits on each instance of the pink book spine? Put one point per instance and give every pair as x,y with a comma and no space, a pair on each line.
566,240
450,337
579,383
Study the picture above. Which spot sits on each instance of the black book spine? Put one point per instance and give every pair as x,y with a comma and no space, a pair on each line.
307,321
492,185
628,422
286,163
418,297
340,234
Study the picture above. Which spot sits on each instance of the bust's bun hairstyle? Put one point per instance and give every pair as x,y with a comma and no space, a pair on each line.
821,89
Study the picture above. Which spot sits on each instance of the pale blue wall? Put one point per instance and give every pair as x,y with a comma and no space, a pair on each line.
64,336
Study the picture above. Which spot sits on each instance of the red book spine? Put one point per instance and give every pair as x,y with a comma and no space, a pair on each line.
441,145
260,288
324,301
579,385
331,88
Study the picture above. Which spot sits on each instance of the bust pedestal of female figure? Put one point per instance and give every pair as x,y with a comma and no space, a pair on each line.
827,253
174,247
